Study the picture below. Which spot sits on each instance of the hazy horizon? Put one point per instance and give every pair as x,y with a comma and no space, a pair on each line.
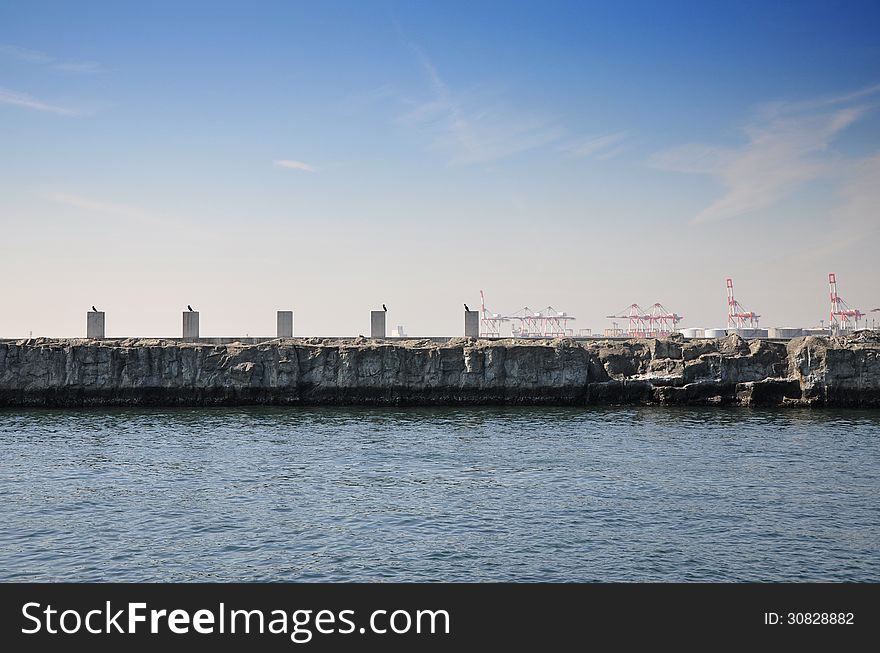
328,159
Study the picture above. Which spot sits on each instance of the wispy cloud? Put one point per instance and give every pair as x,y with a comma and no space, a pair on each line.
604,146
788,107
30,102
23,54
116,212
42,58
294,165
358,102
851,223
474,127
861,197
100,206
787,146
80,67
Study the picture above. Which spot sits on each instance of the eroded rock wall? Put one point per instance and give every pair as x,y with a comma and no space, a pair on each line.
809,371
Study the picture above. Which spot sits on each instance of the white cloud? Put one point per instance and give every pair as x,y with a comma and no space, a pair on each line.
100,206
477,125
366,99
116,213
787,147
23,54
474,127
773,109
79,67
294,165
600,146
37,57
861,197
30,102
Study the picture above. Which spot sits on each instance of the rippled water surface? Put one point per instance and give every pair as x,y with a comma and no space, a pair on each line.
532,494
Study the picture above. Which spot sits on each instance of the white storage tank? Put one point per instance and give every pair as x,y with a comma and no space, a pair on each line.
715,333
693,333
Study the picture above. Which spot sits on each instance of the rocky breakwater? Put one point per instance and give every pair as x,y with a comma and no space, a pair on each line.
811,371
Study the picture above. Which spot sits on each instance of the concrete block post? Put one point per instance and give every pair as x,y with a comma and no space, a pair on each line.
471,324
190,325
377,324
95,325
285,324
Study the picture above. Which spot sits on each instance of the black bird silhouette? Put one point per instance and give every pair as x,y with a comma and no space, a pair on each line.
466,309
189,308
94,309
384,308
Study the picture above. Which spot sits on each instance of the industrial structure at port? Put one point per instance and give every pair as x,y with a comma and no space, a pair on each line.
655,321
842,319
543,364
525,323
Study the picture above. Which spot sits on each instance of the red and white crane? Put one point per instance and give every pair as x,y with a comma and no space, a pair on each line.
843,319
663,321
490,323
636,316
654,322
737,316
547,323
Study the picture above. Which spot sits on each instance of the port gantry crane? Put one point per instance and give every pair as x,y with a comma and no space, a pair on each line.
737,316
656,321
843,319
663,321
490,323
636,316
547,323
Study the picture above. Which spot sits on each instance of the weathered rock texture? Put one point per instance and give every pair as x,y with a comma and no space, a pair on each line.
811,371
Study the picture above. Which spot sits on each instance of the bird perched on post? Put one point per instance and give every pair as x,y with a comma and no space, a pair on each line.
189,308
94,310
384,308
466,309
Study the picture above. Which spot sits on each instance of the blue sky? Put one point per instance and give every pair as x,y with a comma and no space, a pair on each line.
329,157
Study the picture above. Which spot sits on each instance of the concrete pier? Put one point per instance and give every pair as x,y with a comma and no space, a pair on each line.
285,324
95,325
471,324
377,324
191,325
